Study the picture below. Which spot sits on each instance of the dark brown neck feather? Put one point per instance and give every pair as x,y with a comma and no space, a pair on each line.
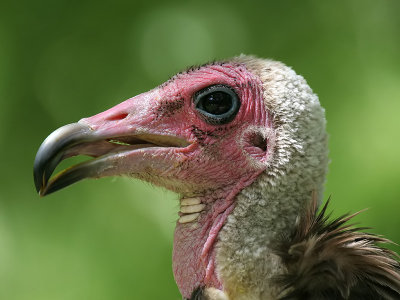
334,260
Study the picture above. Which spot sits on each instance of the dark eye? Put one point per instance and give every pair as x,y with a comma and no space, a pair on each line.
218,104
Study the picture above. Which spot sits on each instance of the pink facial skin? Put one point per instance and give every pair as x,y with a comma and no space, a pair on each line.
219,161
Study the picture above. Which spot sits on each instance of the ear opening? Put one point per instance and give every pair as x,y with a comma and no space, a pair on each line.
256,139
258,144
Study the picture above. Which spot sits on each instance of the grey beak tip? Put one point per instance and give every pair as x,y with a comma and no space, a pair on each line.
50,153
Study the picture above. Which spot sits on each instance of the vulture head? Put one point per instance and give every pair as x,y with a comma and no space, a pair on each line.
242,141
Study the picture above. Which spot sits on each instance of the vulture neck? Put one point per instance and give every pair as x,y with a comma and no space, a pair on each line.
231,245
194,254
264,214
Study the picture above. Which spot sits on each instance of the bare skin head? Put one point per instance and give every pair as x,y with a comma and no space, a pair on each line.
214,134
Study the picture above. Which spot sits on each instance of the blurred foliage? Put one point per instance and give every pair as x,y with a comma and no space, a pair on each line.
64,60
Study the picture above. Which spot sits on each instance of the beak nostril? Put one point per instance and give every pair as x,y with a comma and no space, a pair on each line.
117,117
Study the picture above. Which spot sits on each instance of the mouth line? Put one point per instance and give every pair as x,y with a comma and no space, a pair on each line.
120,144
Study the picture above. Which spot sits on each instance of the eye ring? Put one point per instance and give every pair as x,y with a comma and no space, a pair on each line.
217,104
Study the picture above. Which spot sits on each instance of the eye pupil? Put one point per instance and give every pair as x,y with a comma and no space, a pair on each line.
217,103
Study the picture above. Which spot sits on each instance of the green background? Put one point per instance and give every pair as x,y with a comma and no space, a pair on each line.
64,60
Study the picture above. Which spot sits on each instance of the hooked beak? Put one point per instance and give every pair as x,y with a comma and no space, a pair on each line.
52,152
118,146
